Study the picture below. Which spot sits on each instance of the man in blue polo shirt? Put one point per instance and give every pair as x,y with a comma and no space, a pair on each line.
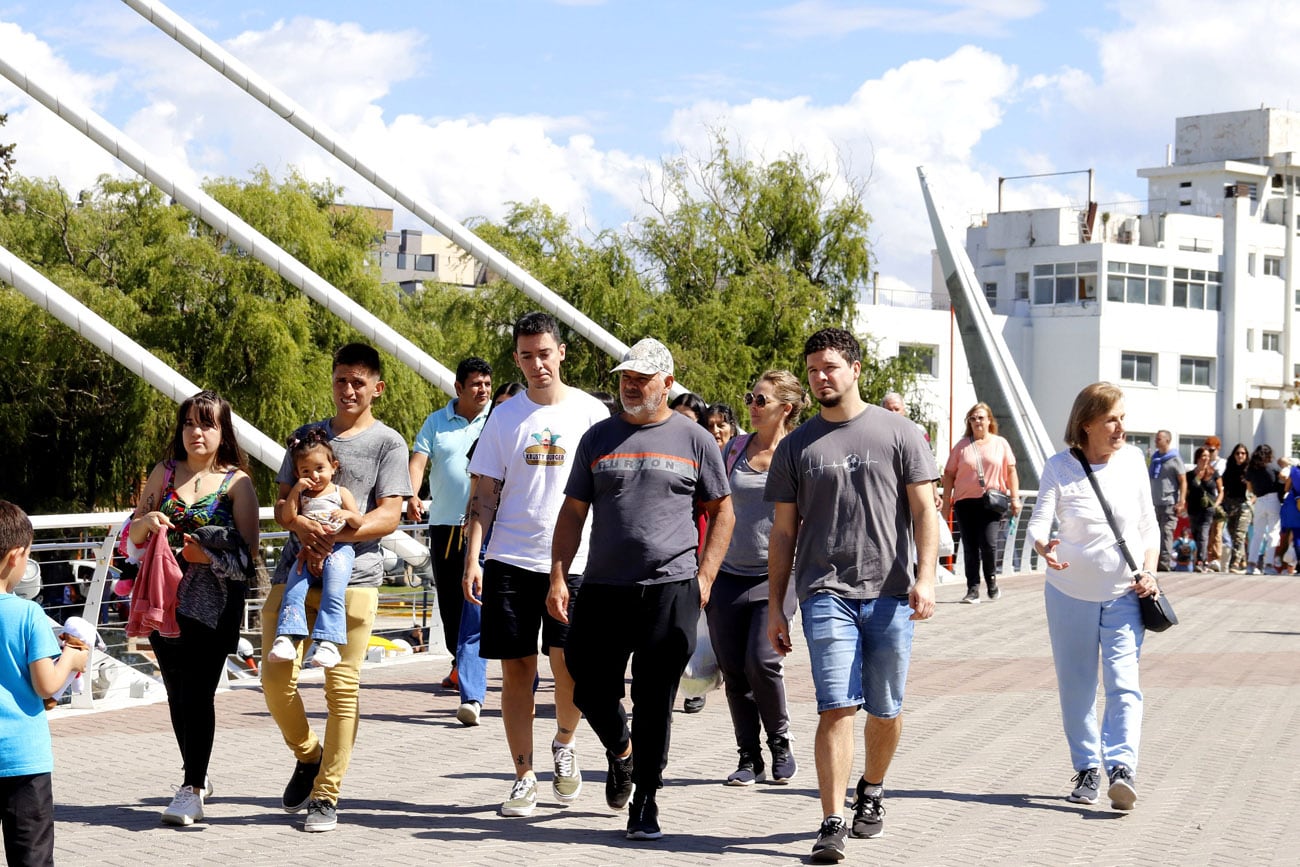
443,446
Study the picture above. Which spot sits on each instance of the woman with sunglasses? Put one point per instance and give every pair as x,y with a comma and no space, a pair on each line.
1238,505
737,609
980,461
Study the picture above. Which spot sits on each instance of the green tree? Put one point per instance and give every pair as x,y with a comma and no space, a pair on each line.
6,157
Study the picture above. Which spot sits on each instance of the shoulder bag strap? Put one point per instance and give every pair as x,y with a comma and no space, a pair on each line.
979,464
1105,507
735,449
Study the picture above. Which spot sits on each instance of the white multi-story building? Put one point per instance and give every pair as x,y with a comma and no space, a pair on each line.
1188,306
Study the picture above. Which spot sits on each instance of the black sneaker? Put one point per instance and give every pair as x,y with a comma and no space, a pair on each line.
750,770
784,767
1087,783
868,812
321,816
995,592
298,792
643,819
972,596
694,704
829,848
1123,788
618,781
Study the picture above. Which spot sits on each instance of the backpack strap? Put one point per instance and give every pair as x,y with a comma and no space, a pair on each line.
735,448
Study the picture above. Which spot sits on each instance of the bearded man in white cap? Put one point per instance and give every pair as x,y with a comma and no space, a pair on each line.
639,473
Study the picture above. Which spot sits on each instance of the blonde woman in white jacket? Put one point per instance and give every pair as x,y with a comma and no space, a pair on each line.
1091,593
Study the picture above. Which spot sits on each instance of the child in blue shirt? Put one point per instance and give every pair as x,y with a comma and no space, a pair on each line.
29,674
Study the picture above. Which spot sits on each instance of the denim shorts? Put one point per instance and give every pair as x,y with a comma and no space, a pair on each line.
860,650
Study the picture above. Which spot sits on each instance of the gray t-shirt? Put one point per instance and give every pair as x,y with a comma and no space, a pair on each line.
372,466
849,481
1164,478
642,482
747,554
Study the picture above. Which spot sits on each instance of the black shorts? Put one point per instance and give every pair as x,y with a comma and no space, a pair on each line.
514,608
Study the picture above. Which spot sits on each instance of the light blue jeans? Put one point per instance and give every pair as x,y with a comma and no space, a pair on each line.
1081,633
331,620
860,650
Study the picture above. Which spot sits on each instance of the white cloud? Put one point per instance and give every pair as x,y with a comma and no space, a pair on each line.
925,112
46,145
815,18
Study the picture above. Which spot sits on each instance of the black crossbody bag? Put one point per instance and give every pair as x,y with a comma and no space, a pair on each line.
1157,611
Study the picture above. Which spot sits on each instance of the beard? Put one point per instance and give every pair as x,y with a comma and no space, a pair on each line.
831,401
647,407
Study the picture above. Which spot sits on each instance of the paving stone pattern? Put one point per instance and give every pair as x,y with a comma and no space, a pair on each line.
980,777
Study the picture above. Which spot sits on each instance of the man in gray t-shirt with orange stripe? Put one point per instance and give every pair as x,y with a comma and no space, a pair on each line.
852,485
639,474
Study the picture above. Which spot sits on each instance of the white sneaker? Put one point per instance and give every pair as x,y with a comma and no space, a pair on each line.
282,650
327,654
186,807
468,713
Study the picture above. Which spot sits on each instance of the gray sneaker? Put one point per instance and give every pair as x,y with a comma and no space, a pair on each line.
523,798
829,848
1123,788
972,596
322,815
1088,782
567,782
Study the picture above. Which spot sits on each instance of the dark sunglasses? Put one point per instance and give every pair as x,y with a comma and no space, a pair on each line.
759,400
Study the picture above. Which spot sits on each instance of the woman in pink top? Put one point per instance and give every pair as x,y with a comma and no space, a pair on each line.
981,460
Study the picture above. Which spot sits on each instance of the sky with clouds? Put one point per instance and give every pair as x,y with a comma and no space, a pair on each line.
575,102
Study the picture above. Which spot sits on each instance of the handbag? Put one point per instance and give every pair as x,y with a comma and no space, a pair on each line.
997,502
1157,611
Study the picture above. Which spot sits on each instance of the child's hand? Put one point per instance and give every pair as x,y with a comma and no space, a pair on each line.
302,485
347,516
78,657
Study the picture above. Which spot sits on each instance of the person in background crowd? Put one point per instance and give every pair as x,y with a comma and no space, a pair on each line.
980,461
1264,484
441,445
893,401
1214,560
1091,594
690,405
737,611
720,421
1237,500
1168,492
1204,495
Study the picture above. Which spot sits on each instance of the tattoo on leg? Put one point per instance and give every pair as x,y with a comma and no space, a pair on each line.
565,731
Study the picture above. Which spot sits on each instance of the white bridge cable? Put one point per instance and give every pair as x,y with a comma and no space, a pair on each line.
264,92
48,296
245,236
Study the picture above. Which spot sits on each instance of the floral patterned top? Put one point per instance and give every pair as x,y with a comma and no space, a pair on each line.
214,508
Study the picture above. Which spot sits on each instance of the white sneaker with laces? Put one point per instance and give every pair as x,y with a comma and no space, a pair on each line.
282,650
186,807
327,654
567,782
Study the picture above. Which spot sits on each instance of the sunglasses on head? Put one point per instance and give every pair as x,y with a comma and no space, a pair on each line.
759,400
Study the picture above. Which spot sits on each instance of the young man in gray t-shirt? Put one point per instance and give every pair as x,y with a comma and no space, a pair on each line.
852,486
373,466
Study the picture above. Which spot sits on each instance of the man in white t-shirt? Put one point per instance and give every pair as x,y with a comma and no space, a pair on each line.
522,463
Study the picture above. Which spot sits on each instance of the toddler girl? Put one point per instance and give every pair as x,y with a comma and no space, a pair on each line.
316,496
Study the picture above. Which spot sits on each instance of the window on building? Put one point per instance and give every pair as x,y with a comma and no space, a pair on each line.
1195,371
1184,185
1134,283
1022,284
1137,367
1196,289
1184,203
1272,266
403,261
1065,282
1271,341
1295,445
991,293
920,357
425,262
1250,264
1187,446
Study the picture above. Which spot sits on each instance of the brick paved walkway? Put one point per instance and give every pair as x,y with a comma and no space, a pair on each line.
981,775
